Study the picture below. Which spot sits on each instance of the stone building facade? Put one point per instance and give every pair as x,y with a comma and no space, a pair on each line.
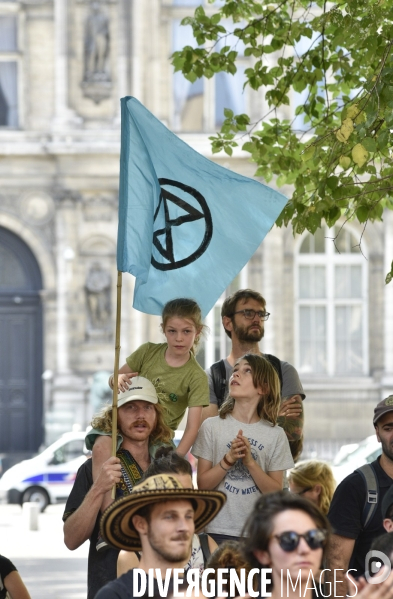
64,64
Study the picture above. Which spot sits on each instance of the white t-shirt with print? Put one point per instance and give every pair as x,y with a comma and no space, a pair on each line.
269,448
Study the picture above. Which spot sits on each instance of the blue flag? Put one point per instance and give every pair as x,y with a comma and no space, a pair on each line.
187,226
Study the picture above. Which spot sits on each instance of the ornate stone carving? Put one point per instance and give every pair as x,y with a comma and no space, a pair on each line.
35,2
98,287
99,208
98,245
66,196
100,394
97,81
37,208
8,202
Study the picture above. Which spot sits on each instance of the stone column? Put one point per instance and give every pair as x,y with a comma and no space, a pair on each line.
272,290
64,117
154,55
69,388
124,24
65,255
131,324
137,30
209,105
209,346
387,382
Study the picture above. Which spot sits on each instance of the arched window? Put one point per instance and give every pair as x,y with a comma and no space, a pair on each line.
331,304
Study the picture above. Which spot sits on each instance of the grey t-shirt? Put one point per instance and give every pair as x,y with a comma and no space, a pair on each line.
291,384
270,449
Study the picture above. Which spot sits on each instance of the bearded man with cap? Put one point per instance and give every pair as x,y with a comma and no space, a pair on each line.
158,518
352,539
141,430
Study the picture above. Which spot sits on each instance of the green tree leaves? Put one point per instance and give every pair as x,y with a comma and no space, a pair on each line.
340,163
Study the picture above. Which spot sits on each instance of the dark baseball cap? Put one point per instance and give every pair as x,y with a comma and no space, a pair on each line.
384,406
387,501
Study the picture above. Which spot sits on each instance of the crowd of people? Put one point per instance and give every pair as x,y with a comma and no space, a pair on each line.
252,508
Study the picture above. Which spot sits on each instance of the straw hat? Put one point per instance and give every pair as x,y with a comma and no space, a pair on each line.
116,523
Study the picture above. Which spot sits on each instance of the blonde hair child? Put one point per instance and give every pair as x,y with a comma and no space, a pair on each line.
180,381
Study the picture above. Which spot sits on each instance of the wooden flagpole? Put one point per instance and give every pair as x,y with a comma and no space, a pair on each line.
116,371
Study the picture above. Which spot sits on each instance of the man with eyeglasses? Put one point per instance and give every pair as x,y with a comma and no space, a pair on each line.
243,315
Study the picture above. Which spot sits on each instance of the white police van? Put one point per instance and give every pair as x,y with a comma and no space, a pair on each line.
49,476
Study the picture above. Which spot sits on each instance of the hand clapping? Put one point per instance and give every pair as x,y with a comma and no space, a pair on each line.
240,449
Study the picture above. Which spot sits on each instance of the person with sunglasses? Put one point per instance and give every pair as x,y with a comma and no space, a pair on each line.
243,316
289,535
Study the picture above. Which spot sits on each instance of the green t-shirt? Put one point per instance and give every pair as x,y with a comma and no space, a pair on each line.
179,387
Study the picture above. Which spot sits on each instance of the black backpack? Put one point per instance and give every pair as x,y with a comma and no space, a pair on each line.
218,372
203,539
370,479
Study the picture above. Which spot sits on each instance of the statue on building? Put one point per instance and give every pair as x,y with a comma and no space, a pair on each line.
96,45
98,287
99,394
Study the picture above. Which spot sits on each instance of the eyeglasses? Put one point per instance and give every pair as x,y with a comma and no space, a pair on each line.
302,491
250,314
289,541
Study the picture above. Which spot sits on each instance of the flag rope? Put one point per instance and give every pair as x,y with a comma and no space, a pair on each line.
116,371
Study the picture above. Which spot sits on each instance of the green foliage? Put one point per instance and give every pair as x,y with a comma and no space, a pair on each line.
342,166
389,276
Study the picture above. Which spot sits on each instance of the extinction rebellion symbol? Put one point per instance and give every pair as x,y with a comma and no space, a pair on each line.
164,238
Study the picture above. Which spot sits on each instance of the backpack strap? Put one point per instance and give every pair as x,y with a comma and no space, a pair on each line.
219,375
203,540
276,363
369,476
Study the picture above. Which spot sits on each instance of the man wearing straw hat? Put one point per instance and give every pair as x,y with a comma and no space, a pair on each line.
158,518
141,431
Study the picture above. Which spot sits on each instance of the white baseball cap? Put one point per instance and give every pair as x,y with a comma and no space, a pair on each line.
139,388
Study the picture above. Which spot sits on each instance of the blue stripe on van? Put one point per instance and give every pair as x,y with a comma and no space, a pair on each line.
51,477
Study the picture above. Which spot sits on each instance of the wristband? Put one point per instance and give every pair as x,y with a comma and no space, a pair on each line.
222,467
227,462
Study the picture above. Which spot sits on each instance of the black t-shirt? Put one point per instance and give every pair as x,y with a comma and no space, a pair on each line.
122,588
346,511
6,567
101,566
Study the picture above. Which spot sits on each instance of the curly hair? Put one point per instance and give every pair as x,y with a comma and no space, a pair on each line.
263,374
228,555
184,307
161,433
311,473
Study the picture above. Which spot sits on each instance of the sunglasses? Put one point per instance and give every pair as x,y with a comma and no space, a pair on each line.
289,541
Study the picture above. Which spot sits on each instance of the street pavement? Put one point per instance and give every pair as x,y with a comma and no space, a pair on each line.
49,570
